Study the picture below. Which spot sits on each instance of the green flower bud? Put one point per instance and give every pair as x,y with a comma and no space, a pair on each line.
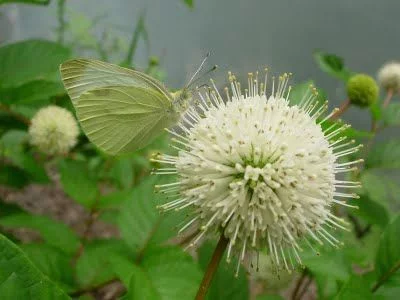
362,90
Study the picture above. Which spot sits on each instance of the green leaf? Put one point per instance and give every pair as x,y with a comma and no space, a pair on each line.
298,92
13,176
114,199
224,285
54,233
355,289
52,262
391,115
78,182
30,60
140,223
34,93
20,279
382,186
122,172
373,212
332,64
94,266
189,3
12,145
172,272
384,155
387,262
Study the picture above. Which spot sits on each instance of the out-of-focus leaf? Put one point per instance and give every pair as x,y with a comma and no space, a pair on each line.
388,257
114,199
224,285
30,60
20,279
34,93
382,186
13,176
349,132
376,111
54,233
189,3
332,64
94,266
355,289
12,145
52,262
384,155
140,222
141,287
301,90
78,182
172,272
372,211
122,172
8,209
40,2
391,115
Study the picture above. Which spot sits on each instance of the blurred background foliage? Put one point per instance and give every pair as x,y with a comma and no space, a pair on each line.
85,225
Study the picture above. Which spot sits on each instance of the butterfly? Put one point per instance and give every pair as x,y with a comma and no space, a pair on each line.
121,110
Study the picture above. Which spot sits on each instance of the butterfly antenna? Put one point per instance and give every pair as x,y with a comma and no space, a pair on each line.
198,69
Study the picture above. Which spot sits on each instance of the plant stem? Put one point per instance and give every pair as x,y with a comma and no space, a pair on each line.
61,20
342,108
385,277
299,284
389,96
212,267
305,287
17,116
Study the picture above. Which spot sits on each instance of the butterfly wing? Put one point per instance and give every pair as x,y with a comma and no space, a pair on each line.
121,119
82,75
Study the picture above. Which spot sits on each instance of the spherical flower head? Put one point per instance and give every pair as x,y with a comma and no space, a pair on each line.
362,90
389,76
53,130
259,170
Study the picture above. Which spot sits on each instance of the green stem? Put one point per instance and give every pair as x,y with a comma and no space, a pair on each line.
61,20
386,277
212,267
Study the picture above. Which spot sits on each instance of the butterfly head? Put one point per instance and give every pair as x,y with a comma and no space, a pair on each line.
182,99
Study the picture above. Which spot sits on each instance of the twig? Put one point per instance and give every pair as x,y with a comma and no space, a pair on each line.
342,109
389,96
299,284
305,287
17,116
212,267
385,277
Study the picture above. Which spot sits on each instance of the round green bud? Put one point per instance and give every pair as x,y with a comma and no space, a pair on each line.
362,90
154,61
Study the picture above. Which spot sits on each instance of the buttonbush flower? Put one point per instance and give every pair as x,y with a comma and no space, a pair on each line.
53,130
389,76
259,170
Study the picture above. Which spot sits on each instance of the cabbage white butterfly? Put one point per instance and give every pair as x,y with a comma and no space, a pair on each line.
121,110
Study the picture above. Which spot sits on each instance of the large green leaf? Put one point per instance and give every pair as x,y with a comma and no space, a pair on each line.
41,2
382,186
140,223
141,287
373,212
52,262
20,279
388,257
34,93
54,233
225,285
332,64
172,272
30,60
78,183
13,176
391,115
94,266
355,289
384,155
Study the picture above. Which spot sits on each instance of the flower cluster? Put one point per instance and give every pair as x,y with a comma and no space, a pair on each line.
259,170
389,76
53,130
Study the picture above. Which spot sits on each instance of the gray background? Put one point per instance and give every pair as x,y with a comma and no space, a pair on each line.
242,35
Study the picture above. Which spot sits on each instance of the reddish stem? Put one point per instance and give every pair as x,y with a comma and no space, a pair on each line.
342,109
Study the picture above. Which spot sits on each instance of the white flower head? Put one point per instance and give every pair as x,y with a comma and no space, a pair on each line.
389,76
53,130
259,170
